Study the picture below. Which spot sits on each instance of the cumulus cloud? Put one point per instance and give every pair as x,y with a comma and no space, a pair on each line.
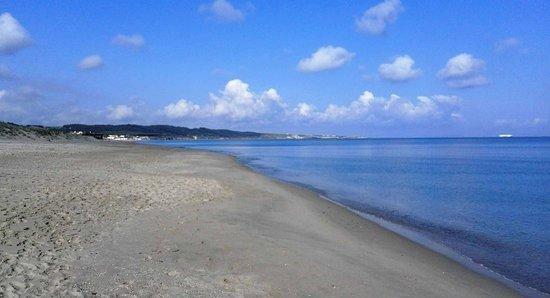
304,110
401,69
463,71
368,108
180,109
325,58
134,41
507,44
460,66
119,112
90,62
238,102
13,37
377,18
223,10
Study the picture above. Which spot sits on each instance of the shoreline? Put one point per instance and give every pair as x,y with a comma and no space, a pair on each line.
414,236
446,251
142,219
400,229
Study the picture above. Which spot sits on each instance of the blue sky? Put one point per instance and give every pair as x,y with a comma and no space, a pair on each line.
369,68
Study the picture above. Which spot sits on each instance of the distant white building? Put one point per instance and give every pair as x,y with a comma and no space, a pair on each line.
294,137
116,138
125,138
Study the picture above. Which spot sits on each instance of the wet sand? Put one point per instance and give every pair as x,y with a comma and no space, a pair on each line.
100,218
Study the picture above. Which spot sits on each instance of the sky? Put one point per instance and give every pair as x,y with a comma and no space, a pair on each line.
359,68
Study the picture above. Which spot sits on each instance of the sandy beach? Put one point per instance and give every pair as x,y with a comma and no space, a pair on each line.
100,218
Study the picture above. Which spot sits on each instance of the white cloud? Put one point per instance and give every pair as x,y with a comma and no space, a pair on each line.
91,62
463,71
13,37
304,110
134,41
457,117
377,18
460,66
223,10
120,112
180,109
237,102
401,69
368,108
272,96
507,44
325,58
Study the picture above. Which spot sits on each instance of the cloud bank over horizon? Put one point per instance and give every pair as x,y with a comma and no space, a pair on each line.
237,103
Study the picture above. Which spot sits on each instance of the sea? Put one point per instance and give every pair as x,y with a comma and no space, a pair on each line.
484,202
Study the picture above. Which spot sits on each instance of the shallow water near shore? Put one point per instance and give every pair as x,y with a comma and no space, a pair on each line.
485,198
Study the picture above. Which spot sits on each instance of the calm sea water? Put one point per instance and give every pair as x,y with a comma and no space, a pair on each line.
485,198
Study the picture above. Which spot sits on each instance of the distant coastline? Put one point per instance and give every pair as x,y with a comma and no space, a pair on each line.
134,132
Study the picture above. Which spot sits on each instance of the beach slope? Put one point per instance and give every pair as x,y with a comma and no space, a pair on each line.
86,218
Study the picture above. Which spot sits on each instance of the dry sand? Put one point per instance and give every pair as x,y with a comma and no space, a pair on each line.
120,219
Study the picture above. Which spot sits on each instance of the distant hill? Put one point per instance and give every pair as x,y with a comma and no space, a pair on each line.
161,131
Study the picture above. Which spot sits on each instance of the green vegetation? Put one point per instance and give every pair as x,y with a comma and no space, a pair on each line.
11,130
